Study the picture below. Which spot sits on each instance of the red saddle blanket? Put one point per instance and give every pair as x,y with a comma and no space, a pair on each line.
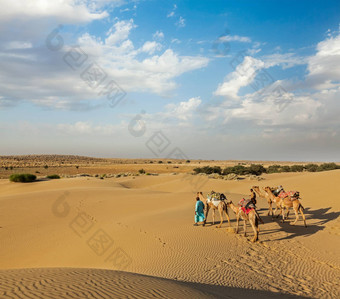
284,194
246,210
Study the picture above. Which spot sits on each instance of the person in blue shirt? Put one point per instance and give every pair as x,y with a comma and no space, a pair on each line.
199,211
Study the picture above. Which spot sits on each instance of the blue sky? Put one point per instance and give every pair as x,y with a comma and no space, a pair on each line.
211,79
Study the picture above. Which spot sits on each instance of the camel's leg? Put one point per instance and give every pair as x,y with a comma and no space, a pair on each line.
226,213
302,214
283,213
274,214
244,228
221,216
270,208
296,211
255,227
213,211
237,222
206,214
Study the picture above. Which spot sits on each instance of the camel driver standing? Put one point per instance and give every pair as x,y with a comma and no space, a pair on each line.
253,201
199,211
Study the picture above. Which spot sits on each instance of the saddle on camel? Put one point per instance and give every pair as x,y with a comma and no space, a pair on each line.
246,205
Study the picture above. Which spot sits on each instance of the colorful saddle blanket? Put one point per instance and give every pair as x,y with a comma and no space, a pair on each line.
292,194
246,205
246,210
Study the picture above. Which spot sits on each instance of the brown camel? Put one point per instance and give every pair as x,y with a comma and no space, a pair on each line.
286,203
251,217
221,206
265,196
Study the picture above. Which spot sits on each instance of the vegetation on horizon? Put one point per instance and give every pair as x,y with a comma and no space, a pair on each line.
258,169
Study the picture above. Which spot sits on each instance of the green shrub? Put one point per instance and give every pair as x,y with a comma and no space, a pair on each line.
237,169
256,169
187,161
285,168
160,162
208,169
22,178
311,167
328,166
273,169
297,168
46,166
53,177
141,171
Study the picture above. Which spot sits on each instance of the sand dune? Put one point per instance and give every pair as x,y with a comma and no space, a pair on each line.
143,225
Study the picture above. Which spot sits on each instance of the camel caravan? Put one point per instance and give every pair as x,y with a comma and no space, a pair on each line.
246,208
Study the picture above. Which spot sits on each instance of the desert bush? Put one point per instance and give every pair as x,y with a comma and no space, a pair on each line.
311,167
273,169
53,177
256,169
297,168
160,162
141,171
328,166
237,169
208,169
187,161
285,168
22,178
46,166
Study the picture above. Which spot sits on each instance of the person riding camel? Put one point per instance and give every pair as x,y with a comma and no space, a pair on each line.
252,204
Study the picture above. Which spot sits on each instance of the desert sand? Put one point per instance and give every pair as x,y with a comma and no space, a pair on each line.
133,237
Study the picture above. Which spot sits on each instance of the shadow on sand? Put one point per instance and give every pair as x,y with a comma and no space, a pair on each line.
319,218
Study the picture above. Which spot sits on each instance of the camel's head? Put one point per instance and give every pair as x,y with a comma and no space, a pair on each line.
255,187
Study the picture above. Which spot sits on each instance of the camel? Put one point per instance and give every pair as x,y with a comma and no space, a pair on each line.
286,203
251,217
222,206
266,196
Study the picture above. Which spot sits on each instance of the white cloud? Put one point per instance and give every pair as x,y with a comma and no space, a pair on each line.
151,47
41,76
65,10
172,13
87,128
119,32
158,35
175,41
323,72
273,108
233,38
286,60
18,45
242,76
184,110
181,22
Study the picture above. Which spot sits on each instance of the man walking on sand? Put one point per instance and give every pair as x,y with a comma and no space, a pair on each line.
199,211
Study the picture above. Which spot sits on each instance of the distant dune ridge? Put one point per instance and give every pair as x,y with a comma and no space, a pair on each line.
132,237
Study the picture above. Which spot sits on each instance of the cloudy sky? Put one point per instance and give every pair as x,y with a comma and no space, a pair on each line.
179,79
